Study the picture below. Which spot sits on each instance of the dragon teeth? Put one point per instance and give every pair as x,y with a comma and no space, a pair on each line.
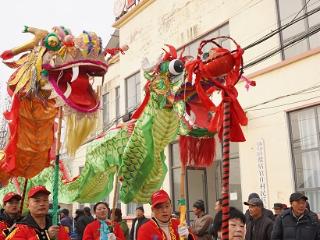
75,73
67,93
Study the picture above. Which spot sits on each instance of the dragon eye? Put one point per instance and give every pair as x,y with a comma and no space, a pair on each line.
176,67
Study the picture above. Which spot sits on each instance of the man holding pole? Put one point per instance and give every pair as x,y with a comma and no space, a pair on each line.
37,224
162,226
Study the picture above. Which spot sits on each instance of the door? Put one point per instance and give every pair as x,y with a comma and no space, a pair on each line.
196,189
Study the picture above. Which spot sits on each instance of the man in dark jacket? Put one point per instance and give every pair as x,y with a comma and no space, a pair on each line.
278,208
296,223
83,221
260,226
65,220
137,222
266,212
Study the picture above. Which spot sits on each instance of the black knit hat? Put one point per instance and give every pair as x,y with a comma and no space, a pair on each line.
199,204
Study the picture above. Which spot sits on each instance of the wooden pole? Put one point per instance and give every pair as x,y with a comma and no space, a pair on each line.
182,201
115,197
23,194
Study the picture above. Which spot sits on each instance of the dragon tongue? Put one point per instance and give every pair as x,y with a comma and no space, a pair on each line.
82,92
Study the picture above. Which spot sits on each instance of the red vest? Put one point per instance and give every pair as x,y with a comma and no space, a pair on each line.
25,232
92,231
3,226
151,231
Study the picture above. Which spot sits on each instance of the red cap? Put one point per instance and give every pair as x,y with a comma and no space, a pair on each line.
36,189
11,195
158,197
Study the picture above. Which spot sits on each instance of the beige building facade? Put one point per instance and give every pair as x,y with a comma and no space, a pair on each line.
282,151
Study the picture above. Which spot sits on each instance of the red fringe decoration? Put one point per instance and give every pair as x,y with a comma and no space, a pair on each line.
197,152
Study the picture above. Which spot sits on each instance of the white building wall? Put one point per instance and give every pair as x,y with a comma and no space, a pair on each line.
271,124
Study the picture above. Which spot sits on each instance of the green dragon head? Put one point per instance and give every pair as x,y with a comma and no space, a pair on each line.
165,77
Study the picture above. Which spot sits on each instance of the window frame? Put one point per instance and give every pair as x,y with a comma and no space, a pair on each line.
316,109
307,28
106,109
117,102
135,74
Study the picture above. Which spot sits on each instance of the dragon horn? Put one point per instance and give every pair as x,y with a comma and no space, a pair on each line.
39,34
173,51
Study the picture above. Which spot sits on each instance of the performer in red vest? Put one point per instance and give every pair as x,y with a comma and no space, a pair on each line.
36,225
102,228
9,215
162,226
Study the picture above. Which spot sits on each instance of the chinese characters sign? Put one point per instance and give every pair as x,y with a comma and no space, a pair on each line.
262,172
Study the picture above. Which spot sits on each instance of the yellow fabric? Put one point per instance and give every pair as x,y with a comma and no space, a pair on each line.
24,73
78,129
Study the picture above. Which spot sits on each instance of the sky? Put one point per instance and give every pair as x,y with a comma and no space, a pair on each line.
77,15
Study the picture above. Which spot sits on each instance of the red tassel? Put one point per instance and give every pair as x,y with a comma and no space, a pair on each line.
197,152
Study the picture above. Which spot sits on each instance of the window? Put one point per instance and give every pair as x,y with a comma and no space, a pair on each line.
305,145
133,92
287,11
192,48
117,102
106,110
131,208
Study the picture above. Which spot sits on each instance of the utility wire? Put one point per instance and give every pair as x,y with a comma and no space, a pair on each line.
316,86
278,30
299,38
284,104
